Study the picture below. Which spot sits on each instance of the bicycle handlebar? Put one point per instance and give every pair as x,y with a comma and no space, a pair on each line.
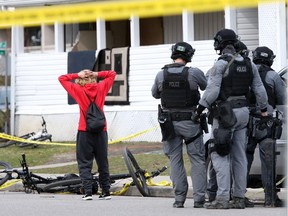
158,171
43,121
23,162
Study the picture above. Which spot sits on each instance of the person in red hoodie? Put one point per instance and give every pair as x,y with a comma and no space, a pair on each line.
90,145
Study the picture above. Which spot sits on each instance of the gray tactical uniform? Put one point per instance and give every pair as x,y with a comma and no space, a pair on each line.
185,130
234,163
277,84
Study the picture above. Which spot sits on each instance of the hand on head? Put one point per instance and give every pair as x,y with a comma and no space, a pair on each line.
85,73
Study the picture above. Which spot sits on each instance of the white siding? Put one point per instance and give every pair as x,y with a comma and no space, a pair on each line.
38,92
247,27
36,80
38,89
146,62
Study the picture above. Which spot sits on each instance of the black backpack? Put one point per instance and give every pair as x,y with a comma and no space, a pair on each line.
95,118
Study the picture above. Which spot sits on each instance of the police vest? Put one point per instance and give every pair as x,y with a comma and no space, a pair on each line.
269,90
238,80
176,92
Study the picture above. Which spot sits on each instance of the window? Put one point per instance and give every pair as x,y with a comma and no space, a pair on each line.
32,36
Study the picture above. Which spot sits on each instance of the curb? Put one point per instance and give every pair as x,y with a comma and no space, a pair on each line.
254,194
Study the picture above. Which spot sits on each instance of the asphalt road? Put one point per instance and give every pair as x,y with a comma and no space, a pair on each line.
19,203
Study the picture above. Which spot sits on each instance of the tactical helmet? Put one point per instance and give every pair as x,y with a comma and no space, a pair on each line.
182,50
223,38
263,55
242,49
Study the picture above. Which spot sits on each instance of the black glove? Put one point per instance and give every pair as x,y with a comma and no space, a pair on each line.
265,121
195,116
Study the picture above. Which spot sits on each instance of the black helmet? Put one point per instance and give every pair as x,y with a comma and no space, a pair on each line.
223,38
182,50
263,55
242,49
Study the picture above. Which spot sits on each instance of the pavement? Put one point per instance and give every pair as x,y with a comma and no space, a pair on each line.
160,186
13,204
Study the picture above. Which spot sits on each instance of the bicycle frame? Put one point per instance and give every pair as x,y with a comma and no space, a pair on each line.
41,135
32,182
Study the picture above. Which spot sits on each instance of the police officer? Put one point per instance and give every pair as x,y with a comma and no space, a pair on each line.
178,88
226,94
275,87
212,181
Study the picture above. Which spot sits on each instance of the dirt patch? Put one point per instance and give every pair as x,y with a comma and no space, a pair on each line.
114,150
62,158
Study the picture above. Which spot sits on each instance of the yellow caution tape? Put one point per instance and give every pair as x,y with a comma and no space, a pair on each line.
133,135
151,183
123,190
9,183
114,10
18,139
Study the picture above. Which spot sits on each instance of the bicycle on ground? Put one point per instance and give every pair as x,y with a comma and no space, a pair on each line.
41,135
72,182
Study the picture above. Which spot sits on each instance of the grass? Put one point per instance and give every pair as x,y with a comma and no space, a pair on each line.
43,153
35,156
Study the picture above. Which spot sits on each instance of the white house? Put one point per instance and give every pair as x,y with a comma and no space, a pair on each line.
36,61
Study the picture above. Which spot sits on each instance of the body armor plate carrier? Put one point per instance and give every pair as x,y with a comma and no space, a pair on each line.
176,91
238,80
270,92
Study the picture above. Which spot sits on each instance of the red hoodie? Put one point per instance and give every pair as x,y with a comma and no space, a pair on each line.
76,91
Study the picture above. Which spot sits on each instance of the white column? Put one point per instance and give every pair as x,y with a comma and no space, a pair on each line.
101,34
272,31
18,32
59,37
135,31
188,26
230,18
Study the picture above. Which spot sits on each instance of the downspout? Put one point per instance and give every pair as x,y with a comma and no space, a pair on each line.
13,69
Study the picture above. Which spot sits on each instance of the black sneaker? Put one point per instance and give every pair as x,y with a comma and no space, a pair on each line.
248,203
199,204
178,204
87,197
105,196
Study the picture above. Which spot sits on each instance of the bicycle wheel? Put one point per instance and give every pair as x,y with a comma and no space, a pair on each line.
4,176
6,144
68,185
42,138
136,173
12,142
